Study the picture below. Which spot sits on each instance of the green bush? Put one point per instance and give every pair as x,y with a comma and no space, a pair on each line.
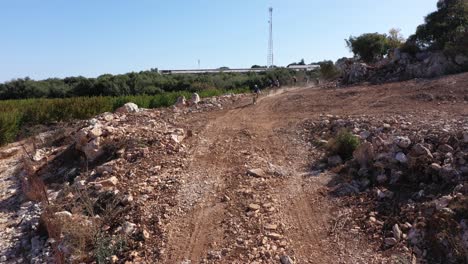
9,126
343,144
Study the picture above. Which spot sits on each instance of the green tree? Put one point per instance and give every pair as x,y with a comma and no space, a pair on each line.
446,26
369,47
328,70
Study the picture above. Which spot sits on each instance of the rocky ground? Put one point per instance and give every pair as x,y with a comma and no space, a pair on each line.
225,181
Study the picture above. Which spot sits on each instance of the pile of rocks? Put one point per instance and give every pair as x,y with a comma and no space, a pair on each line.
419,166
121,162
401,66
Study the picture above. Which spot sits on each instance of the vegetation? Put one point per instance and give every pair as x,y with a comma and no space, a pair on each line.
373,46
444,29
301,62
15,114
344,144
145,82
328,70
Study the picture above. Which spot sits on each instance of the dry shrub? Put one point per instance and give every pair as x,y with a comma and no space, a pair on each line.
32,186
74,236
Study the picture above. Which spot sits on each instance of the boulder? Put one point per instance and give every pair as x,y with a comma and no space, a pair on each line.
128,108
195,98
181,102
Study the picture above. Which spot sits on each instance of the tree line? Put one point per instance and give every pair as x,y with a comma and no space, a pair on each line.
145,82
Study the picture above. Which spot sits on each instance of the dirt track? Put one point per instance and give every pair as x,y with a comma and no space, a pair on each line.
249,137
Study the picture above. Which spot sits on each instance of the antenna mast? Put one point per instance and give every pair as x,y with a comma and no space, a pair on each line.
270,40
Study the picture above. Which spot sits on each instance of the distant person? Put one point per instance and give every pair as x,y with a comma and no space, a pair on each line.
294,80
306,80
257,92
270,83
277,83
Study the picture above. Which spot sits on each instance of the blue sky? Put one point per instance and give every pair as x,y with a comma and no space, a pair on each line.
59,38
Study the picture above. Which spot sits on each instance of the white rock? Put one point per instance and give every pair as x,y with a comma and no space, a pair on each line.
402,142
256,172
397,232
128,108
401,157
195,98
128,228
181,102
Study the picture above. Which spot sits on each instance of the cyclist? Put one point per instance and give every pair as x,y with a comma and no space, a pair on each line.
256,94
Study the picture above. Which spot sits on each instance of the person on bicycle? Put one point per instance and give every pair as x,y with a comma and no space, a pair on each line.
256,93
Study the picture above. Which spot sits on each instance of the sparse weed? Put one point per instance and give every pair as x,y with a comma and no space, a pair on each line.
343,144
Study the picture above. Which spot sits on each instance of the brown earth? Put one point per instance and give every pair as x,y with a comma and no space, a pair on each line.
250,136
219,213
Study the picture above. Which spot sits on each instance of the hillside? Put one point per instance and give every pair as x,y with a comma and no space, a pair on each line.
225,181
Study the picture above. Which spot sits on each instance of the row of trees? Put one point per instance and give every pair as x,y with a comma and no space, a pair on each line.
445,29
146,82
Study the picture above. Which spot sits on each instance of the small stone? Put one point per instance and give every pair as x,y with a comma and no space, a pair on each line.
111,182
63,215
445,148
256,172
254,207
402,142
271,227
401,157
397,232
390,241
420,150
286,260
114,259
275,236
128,228
146,234
436,167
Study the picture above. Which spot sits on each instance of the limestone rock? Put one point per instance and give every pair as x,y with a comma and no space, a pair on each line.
128,108
256,172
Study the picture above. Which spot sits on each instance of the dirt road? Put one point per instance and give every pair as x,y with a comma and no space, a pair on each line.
233,217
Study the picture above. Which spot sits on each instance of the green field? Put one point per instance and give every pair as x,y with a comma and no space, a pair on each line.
17,114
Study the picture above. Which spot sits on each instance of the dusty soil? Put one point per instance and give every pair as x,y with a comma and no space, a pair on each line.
218,212
251,136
